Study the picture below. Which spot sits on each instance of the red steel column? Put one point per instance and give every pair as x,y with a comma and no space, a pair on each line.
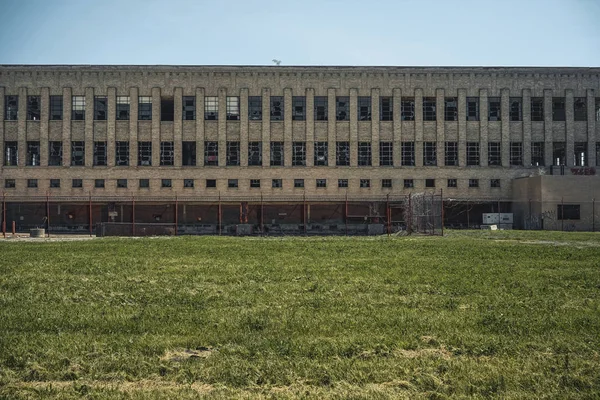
4,215
220,214
133,216
176,219
48,213
90,212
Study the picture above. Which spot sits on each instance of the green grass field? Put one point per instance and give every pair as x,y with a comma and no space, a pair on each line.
471,314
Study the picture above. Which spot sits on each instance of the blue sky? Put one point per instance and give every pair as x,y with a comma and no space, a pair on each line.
301,32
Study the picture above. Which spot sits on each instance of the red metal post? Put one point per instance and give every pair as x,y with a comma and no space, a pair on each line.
219,213
304,211
48,214
91,218
442,206
262,211
388,214
4,215
14,228
176,220
132,215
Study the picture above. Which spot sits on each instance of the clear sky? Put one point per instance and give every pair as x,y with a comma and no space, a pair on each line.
301,32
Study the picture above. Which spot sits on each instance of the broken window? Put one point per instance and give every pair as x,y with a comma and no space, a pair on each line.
537,109
189,108
452,183
580,109
9,184
495,183
255,154
99,183
472,153
11,108
167,154
276,183
298,153
276,108
255,183
342,154
123,107
188,183
364,108
233,154
167,108
558,109
33,154
32,183
211,153
473,183
321,156
364,154
11,154
121,183
409,183
298,183
121,154
365,183
386,108
537,154
472,108
299,108
597,109
232,183
55,153
320,108
342,183
407,109
408,154
211,183
516,153
188,150
342,108
386,154
145,154
321,183
33,108
451,109
428,108
56,108
559,153
211,108
580,154
166,183
568,212
255,108
77,183
144,108
78,108
233,108
277,154
386,183
429,183
429,154
54,183
100,108
77,153
515,109
451,154
99,153
494,154
494,112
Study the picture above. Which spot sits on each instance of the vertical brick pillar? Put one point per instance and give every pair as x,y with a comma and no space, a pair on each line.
287,127
505,126
266,127
89,127
2,94
570,127
111,126
440,124
222,127
331,126
22,127
156,131
591,128
527,127
462,130
483,127
397,125
66,125
548,136
353,127
200,137
244,121
375,93
419,127
178,126
310,127
44,125
133,126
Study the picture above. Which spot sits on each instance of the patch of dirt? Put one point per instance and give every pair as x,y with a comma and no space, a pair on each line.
141,385
178,355
441,353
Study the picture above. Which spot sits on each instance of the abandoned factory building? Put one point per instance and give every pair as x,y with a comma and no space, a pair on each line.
298,148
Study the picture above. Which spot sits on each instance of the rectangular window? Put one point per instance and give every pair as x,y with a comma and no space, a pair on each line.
364,154
233,154
276,108
55,153
11,108
233,108
515,109
537,154
276,183
33,108
408,154
255,183
429,183
364,108
342,183
516,153
409,183
166,183
428,108
451,109
472,108
188,183
77,153
144,108
189,108
342,154
144,183
558,109
451,154
429,154
99,183
11,154
299,108
494,106
211,153
473,153
255,108
188,158
167,108
473,183
386,108
54,183
100,158
342,108
33,154
580,109
121,183
100,108
580,154
254,154
145,154
232,183
407,109
167,154
56,108
320,108
494,154
495,183
386,183
365,183
559,153
568,212
32,183
321,154
78,108
597,109
77,183
386,154
211,183
537,109
321,183
211,108
9,184
452,183
298,183
277,154
123,107
298,153
122,154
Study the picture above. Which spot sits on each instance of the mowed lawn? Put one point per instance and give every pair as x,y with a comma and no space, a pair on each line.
471,314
